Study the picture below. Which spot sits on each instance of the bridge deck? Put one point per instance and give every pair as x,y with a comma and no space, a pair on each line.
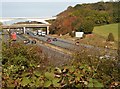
25,25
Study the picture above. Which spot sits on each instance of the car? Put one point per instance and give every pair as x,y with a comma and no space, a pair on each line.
54,39
17,33
33,41
27,33
48,40
26,41
77,43
34,33
39,34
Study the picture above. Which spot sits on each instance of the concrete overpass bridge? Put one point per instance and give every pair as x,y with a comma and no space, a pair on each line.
14,20
25,26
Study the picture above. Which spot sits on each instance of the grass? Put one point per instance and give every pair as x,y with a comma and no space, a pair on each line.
99,36
106,29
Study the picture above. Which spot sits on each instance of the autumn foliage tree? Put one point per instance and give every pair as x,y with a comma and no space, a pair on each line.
63,25
86,27
85,16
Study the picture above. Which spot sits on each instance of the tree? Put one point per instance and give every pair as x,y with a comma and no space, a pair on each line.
86,27
77,6
70,7
110,37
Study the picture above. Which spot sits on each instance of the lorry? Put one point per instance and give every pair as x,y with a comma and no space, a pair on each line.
13,36
41,33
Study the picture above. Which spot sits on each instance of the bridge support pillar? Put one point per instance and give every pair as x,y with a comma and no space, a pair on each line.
24,30
47,30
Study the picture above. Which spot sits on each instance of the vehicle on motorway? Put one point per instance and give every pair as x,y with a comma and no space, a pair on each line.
26,41
13,36
43,33
33,42
19,32
48,40
39,31
39,34
77,43
34,33
54,39
27,33
30,41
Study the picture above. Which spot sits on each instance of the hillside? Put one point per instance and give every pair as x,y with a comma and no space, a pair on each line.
84,17
106,29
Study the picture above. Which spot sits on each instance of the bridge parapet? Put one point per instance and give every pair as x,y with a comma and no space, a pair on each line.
25,25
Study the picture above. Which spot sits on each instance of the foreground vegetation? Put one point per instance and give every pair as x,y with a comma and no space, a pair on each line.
0,26
27,66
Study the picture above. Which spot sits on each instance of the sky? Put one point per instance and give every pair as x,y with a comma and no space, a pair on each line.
37,8
83,1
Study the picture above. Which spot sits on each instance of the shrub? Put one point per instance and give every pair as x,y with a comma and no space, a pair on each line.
110,37
21,53
104,71
72,34
86,70
86,27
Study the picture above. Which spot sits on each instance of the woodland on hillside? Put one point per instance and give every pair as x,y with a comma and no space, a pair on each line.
83,17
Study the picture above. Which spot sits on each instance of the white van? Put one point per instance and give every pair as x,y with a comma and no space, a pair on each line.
39,33
43,33
34,33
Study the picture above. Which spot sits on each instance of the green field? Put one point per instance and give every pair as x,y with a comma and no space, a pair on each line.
106,29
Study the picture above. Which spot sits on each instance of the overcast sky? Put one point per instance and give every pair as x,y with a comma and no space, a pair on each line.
37,8
83,1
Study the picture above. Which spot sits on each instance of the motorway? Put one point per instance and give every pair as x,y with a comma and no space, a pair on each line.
59,43
56,56
59,56
69,45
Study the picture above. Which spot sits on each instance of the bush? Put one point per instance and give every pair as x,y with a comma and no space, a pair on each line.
110,37
106,70
86,27
21,53
72,34
21,69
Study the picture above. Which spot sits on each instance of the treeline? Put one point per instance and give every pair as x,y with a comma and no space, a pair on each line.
83,17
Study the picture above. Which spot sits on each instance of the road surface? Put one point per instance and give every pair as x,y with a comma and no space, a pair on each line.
70,45
55,56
